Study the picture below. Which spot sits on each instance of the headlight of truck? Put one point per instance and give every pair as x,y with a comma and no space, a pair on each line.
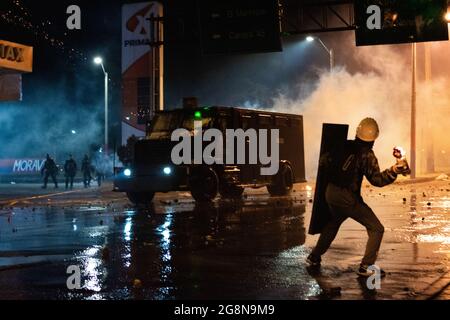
127,173
167,171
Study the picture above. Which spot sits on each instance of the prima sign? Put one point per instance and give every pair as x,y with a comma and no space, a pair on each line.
16,57
242,147
137,31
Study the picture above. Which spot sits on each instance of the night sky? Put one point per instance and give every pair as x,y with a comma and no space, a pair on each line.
63,61
67,88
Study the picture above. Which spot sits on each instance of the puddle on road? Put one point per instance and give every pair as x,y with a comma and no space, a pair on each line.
179,250
254,248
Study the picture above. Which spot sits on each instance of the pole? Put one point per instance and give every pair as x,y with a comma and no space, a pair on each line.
331,60
106,113
413,111
429,138
329,51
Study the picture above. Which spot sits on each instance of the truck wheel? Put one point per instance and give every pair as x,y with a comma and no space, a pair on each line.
283,181
204,184
230,191
140,198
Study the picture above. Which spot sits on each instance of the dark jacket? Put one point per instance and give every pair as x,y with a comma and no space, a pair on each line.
70,168
365,165
86,166
49,167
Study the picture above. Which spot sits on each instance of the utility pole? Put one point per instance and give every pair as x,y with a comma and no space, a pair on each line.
331,60
413,111
429,137
156,35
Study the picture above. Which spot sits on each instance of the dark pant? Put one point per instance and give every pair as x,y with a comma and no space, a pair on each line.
344,204
69,180
87,179
53,176
99,179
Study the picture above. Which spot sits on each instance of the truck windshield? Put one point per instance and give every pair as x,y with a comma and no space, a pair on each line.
165,123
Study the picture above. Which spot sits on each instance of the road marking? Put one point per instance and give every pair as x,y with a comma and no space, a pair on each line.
12,202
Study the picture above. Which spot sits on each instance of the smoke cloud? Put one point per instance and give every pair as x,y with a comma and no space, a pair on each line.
382,92
49,122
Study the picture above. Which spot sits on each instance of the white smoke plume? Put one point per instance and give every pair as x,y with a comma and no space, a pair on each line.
383,93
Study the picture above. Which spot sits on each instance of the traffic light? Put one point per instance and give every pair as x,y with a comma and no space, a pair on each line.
400,21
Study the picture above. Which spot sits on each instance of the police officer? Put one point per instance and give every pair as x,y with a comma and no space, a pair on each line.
346,169
86,170
70,170
49,169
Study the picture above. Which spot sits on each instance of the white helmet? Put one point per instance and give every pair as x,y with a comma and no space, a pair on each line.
368,130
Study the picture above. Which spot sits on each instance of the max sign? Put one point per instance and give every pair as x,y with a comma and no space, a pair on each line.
16,57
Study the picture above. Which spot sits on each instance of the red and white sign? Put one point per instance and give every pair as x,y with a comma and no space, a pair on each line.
137,63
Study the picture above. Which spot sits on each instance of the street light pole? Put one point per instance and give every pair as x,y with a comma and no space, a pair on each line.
106,113
99,61
328,50
429,112
413,112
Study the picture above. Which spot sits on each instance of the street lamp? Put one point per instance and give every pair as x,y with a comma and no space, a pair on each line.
329,51
73,131
99,61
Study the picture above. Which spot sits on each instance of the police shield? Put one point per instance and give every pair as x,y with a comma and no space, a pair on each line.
333,136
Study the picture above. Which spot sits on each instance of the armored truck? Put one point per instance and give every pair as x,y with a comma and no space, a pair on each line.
215,150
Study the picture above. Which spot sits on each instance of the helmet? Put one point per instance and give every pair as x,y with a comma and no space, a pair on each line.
368,130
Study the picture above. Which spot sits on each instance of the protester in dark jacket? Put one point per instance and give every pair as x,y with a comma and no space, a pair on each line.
70,170
343,193
49,169
86,170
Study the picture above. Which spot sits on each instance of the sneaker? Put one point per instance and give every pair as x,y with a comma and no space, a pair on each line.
364,271
313,260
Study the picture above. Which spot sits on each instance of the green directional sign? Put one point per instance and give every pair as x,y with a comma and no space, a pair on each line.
237,26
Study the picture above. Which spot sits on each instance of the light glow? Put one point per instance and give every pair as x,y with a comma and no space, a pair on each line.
309,38
98,60
127,173
197,115
167,171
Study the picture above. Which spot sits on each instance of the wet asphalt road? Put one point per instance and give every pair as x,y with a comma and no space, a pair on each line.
249,249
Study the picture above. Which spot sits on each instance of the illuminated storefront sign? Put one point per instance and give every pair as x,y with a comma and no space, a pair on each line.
21,166
16,57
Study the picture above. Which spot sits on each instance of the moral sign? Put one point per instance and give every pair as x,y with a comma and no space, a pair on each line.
399,21
16,57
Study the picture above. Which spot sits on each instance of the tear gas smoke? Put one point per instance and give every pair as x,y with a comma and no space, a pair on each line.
49,123
384,93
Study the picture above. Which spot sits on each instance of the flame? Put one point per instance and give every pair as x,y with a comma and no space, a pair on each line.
402,151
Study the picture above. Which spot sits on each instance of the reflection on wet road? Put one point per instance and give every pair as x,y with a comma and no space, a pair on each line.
249,249
176,250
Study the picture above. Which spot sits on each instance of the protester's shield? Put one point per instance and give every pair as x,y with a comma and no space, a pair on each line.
333,136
